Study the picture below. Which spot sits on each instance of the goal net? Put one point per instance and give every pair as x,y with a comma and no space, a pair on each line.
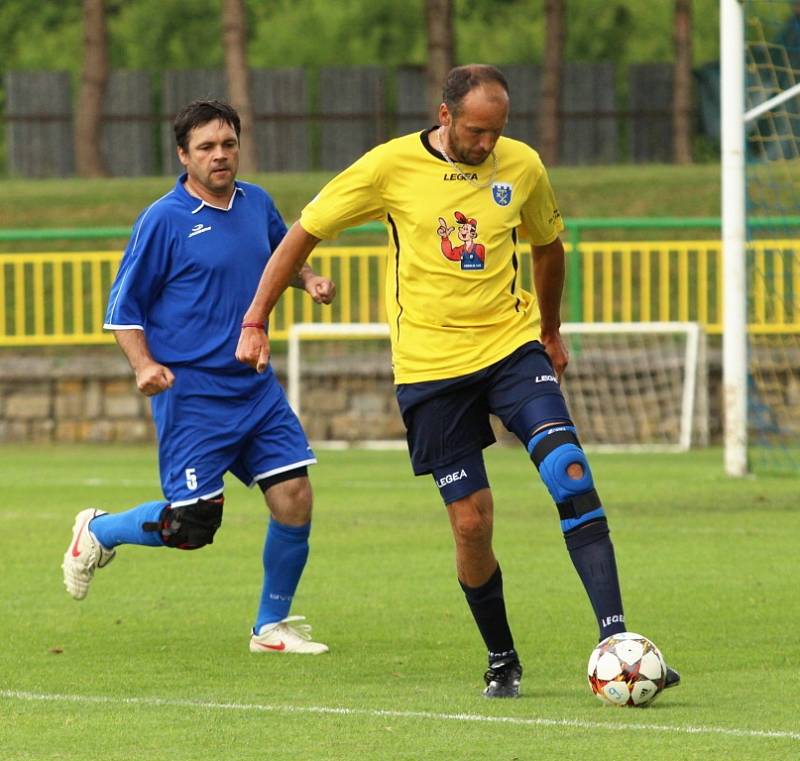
630,386
772,197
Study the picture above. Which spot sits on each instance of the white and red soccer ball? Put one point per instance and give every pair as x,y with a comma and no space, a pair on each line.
626,669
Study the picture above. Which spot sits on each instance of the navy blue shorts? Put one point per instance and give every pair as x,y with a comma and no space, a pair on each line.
448,419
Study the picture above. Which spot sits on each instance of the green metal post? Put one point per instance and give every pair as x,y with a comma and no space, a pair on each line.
575,275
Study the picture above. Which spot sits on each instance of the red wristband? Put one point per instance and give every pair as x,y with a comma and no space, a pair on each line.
253,325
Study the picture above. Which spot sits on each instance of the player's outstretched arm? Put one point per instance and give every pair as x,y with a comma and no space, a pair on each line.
283,267
548,281
151,377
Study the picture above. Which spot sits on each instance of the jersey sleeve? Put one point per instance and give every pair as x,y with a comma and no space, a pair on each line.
351,198
276,226
541,218
141,274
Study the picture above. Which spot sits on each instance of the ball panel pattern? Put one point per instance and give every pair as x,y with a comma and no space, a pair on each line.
626,669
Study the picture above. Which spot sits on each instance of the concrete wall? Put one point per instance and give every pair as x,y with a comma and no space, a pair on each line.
73,397
89,395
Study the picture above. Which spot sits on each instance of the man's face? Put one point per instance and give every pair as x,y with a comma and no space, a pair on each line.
473,132
211,159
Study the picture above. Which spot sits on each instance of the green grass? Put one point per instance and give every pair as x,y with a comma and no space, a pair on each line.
154,663
118,201
611,191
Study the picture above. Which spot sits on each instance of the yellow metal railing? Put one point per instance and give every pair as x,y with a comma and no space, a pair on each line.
646,281
60,298
55,298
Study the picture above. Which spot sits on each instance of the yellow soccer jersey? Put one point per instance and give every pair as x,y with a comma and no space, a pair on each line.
453,298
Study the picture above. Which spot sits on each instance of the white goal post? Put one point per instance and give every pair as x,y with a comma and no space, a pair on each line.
657,389
734,336
305,330
630,386
760,161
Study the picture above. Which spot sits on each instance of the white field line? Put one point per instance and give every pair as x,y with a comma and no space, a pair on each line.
376,713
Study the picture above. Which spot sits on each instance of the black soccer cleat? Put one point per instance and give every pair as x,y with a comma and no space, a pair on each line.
673,678
503,678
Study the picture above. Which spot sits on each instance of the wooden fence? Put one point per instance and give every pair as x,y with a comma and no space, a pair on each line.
323,119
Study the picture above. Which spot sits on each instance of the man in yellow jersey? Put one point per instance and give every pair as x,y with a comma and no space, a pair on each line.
455,200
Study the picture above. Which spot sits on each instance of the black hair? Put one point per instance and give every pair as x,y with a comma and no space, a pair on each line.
200,112
464,79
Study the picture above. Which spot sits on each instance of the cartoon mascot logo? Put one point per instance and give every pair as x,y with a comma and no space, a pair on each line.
472,255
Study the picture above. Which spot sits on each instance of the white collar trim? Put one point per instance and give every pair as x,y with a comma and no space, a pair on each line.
203,203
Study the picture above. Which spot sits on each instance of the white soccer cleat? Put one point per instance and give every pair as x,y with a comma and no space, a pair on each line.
84,555
283,637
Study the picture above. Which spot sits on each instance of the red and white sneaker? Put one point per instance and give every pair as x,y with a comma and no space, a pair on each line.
84,555
286,637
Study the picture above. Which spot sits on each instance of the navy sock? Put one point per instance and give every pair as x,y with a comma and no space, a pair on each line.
592,554
489,611
114,529
284,557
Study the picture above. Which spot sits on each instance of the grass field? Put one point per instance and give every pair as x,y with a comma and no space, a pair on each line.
611,191
154,663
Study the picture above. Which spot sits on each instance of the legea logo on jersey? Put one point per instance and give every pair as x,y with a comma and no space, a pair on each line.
197,229
501,192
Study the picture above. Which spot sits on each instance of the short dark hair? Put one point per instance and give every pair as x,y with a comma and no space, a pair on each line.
200,112
464,79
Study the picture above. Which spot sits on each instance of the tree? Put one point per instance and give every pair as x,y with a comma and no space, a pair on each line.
440,34
682,84
552,75
237,73
88,130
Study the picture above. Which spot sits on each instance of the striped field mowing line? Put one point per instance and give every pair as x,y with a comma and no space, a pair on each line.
455,717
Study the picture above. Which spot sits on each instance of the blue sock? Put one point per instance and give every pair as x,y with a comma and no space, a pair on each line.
126,528
285,555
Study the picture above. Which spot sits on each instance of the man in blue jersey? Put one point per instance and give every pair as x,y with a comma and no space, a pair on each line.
175,307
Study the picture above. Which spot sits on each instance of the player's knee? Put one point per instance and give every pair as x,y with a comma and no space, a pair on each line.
189,527
289,496
299,495
471,525
563,467
461,478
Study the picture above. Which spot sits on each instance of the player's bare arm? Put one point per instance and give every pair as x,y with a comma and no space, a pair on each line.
548,281
284,266
151,377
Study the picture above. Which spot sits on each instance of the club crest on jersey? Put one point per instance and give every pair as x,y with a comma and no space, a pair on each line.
501,192
470,254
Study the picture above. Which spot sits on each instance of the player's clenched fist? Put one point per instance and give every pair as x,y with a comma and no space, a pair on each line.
253,348
321,289
153,378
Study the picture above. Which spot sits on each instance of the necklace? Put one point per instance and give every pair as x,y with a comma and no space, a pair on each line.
457,168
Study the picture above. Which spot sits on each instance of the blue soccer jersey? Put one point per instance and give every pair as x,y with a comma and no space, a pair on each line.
186,278
189,272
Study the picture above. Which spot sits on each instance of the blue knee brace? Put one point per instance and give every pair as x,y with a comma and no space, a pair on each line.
553,450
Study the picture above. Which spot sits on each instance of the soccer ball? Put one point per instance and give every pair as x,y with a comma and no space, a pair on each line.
626,670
